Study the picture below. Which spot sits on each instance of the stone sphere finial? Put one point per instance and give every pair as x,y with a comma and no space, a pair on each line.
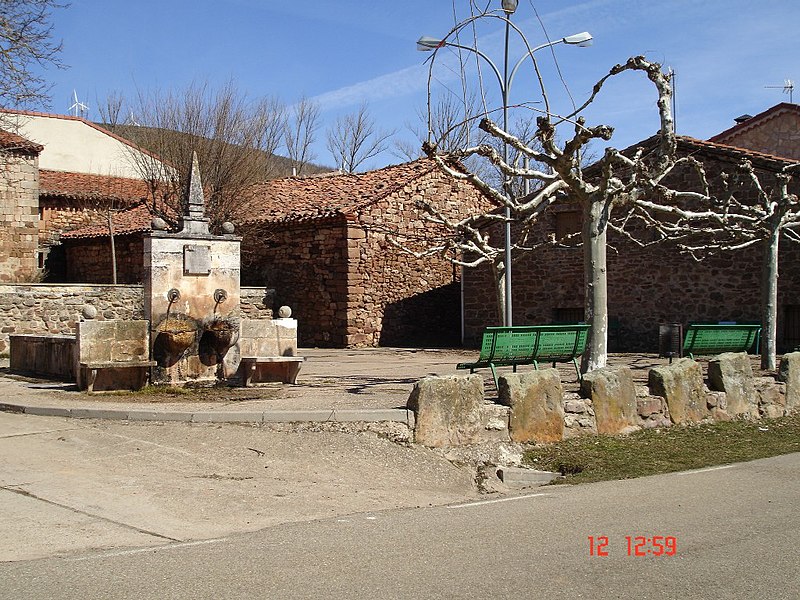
284,312
228,227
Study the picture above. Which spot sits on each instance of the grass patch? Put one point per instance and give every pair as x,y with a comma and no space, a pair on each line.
654,451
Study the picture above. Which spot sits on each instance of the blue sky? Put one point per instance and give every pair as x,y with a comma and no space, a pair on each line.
341,53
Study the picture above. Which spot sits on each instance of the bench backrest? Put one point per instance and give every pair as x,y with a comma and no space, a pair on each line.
715,339
534,342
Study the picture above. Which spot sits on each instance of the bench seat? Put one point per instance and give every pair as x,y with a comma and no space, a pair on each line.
706,339
529,344
94,367
258,369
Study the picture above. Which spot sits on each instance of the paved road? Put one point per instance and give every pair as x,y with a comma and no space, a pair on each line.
69,485
736,531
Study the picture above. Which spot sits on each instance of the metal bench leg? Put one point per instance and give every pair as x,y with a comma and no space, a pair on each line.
494,376
577,370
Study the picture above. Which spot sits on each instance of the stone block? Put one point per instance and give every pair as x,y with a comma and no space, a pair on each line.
536,399
732,373
448,410
518,477
646,407
681,385
613,399
790,374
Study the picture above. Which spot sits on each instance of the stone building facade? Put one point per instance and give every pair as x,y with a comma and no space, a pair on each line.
324,244
19,204
647,287
775,131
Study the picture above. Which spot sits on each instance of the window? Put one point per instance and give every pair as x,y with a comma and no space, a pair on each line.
568,315
567,223
791,326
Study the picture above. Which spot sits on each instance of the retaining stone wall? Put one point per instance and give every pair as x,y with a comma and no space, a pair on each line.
44,308
621,406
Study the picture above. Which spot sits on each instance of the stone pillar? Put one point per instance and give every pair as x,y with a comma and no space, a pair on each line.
732,373
613,399
536,401
790,374
448,410
681,385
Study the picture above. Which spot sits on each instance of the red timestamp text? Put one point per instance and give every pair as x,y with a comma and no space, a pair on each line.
636,545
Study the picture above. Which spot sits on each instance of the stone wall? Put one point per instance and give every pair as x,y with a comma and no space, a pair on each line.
394,298
779,134
306,264
19,216
646,287
56,309
348,285
89,260
453,411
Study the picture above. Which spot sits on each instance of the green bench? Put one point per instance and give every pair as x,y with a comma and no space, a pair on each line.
529,344
702,339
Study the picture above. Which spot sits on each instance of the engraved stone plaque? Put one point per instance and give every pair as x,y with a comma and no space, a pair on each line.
197,260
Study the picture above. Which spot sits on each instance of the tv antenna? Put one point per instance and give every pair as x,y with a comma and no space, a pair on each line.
78,108
787,87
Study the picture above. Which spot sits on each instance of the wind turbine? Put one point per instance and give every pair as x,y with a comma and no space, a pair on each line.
78,107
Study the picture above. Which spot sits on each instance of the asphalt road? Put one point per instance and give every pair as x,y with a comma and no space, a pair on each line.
735,528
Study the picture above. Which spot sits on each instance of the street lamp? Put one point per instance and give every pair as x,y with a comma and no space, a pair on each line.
427,44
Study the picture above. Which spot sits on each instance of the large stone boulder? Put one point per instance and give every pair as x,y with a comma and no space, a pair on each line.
790,374
613,398
449,410
536,401
681,385
732,373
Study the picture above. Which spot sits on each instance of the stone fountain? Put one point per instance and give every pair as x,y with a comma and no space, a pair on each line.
191,294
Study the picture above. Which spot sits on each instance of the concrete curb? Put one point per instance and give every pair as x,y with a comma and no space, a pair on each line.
400,415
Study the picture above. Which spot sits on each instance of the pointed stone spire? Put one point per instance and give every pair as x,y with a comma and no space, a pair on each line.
194,219
195,202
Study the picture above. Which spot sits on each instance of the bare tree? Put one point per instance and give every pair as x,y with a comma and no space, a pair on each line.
556,172
757,206
300,133
235,139
26,44
354,138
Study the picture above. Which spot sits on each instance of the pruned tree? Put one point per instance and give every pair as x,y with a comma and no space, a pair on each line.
235,139
354,138
300,133
754,206
27,45
614,183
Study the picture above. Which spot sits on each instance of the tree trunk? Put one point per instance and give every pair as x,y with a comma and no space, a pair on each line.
769,299
499,280
595,269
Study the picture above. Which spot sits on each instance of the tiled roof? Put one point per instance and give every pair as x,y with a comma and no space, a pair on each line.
135,219
734,152
301,198
12,141
759,119
82,186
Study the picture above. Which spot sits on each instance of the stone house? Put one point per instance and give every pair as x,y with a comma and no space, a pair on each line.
647,286
324,245
774,131
83,171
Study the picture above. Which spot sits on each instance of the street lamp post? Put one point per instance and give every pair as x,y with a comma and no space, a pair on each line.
505,79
